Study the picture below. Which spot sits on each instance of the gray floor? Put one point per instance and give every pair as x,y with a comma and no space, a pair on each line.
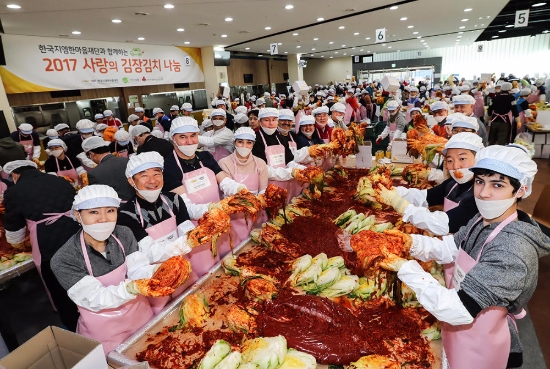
532,354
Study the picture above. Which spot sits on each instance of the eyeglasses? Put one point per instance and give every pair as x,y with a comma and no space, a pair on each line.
461,130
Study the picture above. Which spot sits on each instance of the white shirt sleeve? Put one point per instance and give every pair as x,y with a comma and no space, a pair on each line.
85,160
302,155
413,195
17,236
90,294
222,138
36,152
385,133
161,251
139,266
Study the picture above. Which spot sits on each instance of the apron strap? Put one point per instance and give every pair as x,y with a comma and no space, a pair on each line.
452,188
255,164
57,163
141,216
178,163
85,251
496,231
53,217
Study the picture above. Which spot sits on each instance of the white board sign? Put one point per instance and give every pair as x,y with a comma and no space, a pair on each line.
274,48
380,35
522,18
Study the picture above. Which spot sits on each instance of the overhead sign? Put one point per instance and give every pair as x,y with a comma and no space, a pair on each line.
479,48
37,64
380,35
274,48
522,18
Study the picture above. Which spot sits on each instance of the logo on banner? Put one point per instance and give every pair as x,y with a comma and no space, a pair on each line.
136,51
125,80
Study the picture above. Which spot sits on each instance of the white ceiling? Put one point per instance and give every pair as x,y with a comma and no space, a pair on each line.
430,18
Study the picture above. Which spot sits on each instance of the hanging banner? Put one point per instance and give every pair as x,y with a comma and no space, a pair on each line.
37,64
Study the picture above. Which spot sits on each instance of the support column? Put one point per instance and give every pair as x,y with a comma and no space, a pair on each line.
295,72
213,76
5,107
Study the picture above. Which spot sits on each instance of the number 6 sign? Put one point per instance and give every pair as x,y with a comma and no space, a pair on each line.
380,35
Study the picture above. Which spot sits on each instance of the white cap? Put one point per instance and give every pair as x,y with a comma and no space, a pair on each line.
506,86
139,130
61,126
218,113
98,116
514,90
437,87
207,123
57,142
351,90
286,114
93,142
237,99
245,133
260,101
144,161
392,105
533,88
306,119
122,135
184,125
464,88
339,107
85,126
413,89
320,93
330,98
439,105
416,109
139,109
101,127
174,108
464,140
220,102
422,88
26,128
157,133
240,109
463,100
96,196
525,92
240,118
460,120
187,107
267,94
51,133
12,165
447,88
107,113
268,112
132,117
509,161
322,109
157,110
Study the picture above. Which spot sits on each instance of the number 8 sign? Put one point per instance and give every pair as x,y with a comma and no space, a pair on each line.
380,35
187,61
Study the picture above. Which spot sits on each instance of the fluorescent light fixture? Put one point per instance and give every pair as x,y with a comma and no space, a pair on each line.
168,6
356,33
464,20
247,48
341,27
76,32
228,19
180,30
538,4
403,19
186,42
330,43
461,27
320,19
116,21
410,27
13,6
224,36
495,37
141,38
468,9
394,7
288,7
316,39
294,34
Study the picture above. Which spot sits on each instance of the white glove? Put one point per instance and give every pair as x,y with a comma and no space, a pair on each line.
302,156
294,164
230,187
195,211
279,174
436,175
185,227
436,222
86,162
425,248
161,251
441,302
414,196
528,113
80,170
90,294
399,134
36,152
385,133
139,266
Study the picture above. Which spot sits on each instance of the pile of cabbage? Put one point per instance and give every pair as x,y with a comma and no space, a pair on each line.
353,223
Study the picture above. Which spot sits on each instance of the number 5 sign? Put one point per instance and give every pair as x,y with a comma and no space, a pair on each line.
522,18
380,35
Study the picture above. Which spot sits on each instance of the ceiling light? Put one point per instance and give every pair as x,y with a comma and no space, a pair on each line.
410,27
533,36
298,46
538,4
394,7
403,19
288,7
460,32
267,50
180,30
510,26
468,9
320,19
260,55
76,32
361,50
458,36
322,56
389,47
383,44
415,33
315,39
368,38
294,34
286,52
485,17
502,31
168,6
356,33
116,21
345,54
228,19
353,48
341,27
332,57
247,48
343,45
368,51
13,6
482,24
464,20
418,36
267,28
186,42
461,27
330,43
495,37
139,38
336,52
279,43
224,36
420,41
313,49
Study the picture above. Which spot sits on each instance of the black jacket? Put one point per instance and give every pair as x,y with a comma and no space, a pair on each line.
11,150
303,141
160,145
502,104
258,150
111,172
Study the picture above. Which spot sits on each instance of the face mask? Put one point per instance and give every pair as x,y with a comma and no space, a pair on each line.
439,119
322,125
269,131
123,143
466,175
56,153
150,195
340,119
493,209
99,231
308,134
188,150
283,131
243,151
218,123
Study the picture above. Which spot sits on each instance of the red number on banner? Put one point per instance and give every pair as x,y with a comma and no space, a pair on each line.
59,65
49,67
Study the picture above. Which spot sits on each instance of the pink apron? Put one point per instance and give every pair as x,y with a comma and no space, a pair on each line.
325,140
510,116
479,105
123,153
165,231
534,97
485,343
28,145
219,152
275,156
201,186
297,120
112,326
71,173
408,113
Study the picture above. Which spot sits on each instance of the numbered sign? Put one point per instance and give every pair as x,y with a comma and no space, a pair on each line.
274,48
479,48
522,18
381,35
187,61
356,58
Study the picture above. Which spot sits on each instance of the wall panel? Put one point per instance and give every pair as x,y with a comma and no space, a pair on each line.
239,67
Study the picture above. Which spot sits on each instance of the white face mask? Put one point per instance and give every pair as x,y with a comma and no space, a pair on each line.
56,153
340,119
218,123
308,134
99,231
269,131
188,150
243,151
283,131
123,143
495,208
150,195
439,118
322,125
467,175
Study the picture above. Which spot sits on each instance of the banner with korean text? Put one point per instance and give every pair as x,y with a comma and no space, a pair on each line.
37,64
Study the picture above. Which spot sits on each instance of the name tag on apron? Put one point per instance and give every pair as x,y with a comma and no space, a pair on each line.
277,159
169,237
197,183
458,276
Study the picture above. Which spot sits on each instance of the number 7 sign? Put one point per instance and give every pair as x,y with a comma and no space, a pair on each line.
380,35
274,49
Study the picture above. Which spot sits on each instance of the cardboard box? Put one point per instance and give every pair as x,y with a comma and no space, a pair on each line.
56,348
300,87
390,84
485,77
363,159
399,152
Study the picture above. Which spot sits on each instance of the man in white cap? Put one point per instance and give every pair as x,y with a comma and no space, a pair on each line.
396,122
219,141
495,270
147,142
268,136
440,111
338,110
51,134
240,120
48,221
121,146
85,129
229,118
140,112
465,104
241,109
186,109
286,121
260,103
412,102
174,112
99,118
133,120
111,120
522,104
109,170
321,123
27,136
62,129
503,113
162,122
100,129
268,101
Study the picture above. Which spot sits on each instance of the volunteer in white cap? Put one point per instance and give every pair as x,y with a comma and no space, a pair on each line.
229,118
493,266
440,111
241,120
307,135
465,104
133,120
99,118
111,120
60,164
241,109
163,121
159,220
522,104
250,171
412,102
28,138
396,123
51,134
186,109
46,220
174,112
338,110
219,141
100,129
462,123
140,112
62,129
97,266
503,113
321,119
286,120
206,126
86,129
260,103
121,145
455,194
